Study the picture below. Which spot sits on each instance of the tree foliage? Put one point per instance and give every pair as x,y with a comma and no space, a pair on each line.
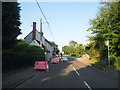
74,49
55,47
72,43
22,49
106,26
10,23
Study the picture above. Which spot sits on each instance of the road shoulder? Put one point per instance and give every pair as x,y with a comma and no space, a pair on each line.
88,63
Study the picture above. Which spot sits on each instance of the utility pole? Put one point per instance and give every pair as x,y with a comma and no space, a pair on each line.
41,33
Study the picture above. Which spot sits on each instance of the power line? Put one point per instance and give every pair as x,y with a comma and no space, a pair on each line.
45,19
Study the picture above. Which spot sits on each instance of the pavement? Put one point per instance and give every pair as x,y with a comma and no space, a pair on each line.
16,79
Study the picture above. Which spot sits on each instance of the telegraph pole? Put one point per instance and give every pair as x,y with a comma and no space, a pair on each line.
41,33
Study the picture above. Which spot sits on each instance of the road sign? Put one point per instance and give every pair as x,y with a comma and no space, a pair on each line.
55,60
107,43
41,65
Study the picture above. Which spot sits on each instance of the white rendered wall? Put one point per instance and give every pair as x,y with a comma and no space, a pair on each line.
28,39
34,42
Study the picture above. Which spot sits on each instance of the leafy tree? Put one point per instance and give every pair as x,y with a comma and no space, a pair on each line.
23,49
74,49
10,23
55,46
106,26
65,49
72,43
91,48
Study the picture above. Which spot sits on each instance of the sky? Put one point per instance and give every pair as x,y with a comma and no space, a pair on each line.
68,20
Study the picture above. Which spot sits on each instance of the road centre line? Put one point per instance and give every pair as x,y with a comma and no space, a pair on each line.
83,81
75,70
87,85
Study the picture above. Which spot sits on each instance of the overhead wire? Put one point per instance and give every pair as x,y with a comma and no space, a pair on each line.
45,19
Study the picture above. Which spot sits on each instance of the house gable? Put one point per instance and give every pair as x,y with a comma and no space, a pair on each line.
28,38
34,42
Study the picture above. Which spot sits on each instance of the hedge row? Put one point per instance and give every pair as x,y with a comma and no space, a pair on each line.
21,55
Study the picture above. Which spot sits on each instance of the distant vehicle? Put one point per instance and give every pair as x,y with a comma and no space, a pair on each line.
61,59
58,58
85,56
55,60
65,59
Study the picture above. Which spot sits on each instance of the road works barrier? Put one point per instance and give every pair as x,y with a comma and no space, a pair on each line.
41,65
55,60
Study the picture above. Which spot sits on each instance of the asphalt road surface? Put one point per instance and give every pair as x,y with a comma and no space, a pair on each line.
72,74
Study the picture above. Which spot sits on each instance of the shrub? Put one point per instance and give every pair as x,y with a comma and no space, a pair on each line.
22,49
72,54
21,55
117,63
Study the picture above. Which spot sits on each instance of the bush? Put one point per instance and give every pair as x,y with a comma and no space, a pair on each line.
71,54
21,55
22,49
117,63
94,59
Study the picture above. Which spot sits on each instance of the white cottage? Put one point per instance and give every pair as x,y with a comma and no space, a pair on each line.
34,37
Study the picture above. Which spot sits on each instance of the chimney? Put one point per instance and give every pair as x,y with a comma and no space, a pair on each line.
34,31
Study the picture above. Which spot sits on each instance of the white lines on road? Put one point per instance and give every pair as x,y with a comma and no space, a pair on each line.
83,81
76,70
87,85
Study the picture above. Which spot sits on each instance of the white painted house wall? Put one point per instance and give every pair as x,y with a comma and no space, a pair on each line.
45,43
34,42
28,38
32,39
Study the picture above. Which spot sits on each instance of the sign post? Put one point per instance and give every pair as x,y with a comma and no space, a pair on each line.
107,44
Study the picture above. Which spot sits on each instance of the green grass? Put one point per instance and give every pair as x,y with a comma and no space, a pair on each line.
99,65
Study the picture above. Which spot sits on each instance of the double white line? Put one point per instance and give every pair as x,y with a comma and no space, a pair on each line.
83,81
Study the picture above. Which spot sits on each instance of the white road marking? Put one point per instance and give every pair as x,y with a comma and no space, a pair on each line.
76,70
83,81
87,85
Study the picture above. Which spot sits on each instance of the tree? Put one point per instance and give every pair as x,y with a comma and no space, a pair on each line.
65,49
74,49
106,26
10,23
72,43
55,46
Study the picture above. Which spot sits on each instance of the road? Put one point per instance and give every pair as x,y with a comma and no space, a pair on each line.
72,74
